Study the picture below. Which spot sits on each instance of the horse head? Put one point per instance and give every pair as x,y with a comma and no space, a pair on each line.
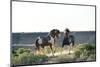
55,33
66,32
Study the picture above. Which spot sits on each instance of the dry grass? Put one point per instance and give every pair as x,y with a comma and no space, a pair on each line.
77,53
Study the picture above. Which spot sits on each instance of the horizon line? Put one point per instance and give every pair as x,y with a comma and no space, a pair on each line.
48,31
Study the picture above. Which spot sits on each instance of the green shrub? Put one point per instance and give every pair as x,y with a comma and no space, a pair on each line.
85,51
77,53
85,46
26,56
22,50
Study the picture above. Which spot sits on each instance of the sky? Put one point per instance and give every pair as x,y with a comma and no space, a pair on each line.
40,17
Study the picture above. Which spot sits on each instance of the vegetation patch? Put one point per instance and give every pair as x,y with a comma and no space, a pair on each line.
85,52
24,56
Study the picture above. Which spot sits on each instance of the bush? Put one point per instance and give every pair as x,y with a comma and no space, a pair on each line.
85,47
84,52
25,56
22,50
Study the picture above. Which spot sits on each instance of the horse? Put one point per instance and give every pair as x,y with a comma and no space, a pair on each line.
68,39
48,40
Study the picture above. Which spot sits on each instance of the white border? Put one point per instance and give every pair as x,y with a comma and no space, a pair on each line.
5,34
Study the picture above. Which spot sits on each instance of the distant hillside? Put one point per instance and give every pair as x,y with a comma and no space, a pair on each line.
29,38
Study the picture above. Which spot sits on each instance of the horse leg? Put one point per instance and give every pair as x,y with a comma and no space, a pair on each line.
43,49
70,47
37,49
62,45
62,48
73,43
51,49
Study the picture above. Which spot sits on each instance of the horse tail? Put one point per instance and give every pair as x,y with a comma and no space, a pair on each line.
37,44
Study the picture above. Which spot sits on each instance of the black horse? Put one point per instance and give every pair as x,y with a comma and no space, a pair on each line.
48,40
68,39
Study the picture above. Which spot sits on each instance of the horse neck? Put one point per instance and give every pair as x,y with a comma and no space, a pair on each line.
51,38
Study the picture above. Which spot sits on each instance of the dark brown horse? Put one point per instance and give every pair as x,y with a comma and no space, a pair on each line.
68,39
48,40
